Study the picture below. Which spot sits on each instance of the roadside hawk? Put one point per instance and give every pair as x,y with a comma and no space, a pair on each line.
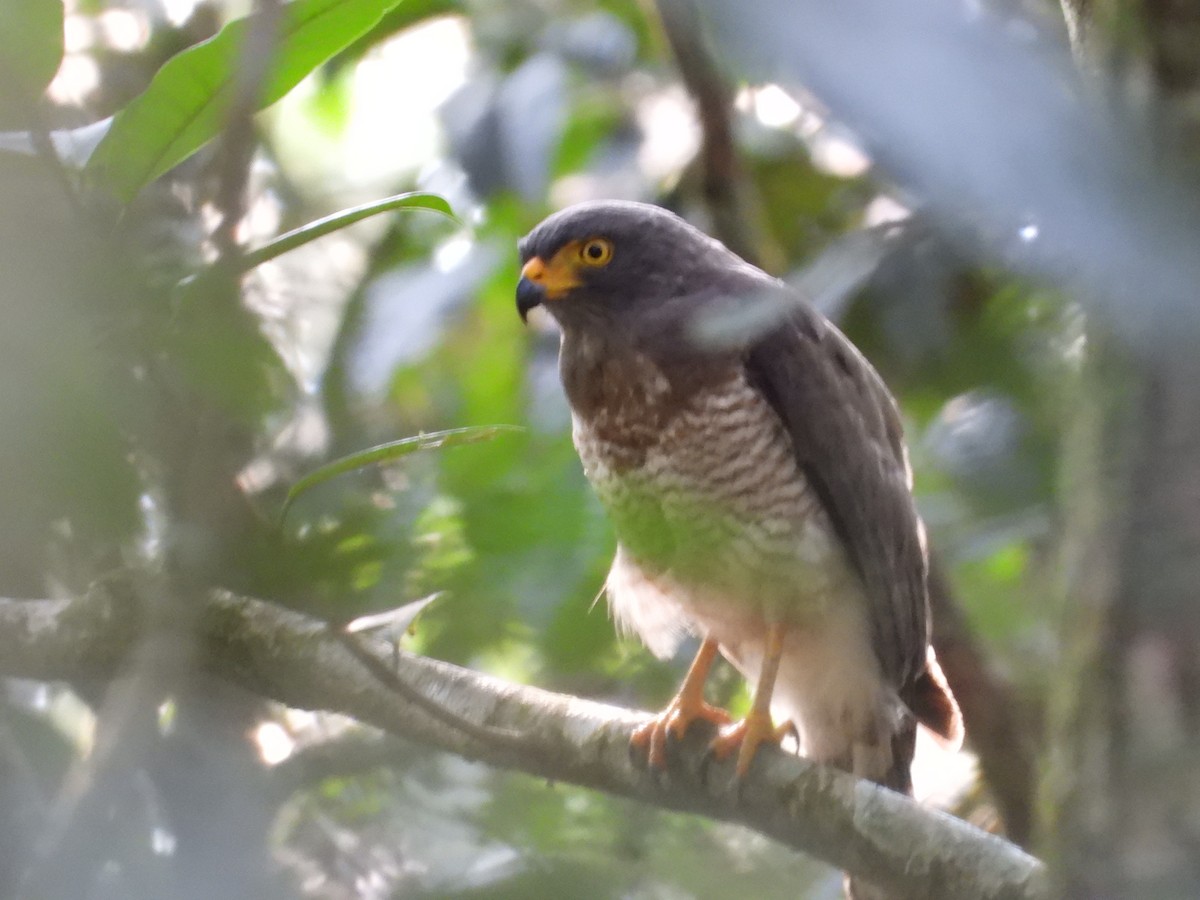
759,487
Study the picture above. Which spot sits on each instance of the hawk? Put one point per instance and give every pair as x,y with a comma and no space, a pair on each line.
759,488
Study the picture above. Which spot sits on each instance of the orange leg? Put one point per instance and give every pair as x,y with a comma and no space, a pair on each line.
746,736
686,707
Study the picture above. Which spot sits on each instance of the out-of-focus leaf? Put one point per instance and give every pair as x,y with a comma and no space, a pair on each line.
531,109
598,41
981,440
409,13
331,223
404,315
393,450
392,624
64,448
828,282
923,87
73,146
45,749
992,572
30,52
220,351
591,123
187,101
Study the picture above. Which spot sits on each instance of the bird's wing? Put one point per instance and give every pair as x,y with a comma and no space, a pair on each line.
848,441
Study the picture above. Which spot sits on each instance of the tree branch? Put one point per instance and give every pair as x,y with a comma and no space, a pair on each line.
852,824
728,194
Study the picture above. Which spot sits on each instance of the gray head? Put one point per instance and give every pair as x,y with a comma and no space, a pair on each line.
609,260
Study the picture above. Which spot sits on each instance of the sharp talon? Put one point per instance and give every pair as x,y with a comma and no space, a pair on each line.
673,722
685,708
637,745
746,736
680,719
658,749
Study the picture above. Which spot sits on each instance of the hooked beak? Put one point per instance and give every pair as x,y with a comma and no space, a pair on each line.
541,281
530,292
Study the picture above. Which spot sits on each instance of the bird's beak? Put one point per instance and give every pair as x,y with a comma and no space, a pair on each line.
529,292
541,282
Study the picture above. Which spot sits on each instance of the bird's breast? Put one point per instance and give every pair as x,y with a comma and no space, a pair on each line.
702,481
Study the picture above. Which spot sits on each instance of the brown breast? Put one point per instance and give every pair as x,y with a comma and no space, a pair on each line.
696,471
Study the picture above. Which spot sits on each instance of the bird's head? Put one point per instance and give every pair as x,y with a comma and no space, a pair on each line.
602,260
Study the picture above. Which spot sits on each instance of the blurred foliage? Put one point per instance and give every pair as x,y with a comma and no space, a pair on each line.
140,414
192,95
32,52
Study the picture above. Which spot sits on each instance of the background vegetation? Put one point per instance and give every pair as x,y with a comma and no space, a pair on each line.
162,387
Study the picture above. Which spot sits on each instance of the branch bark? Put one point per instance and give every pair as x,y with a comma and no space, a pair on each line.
296,660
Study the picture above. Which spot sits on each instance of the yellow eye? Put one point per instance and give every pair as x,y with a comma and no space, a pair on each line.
595,252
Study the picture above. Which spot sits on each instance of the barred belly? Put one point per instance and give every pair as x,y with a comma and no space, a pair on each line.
715,518
720,534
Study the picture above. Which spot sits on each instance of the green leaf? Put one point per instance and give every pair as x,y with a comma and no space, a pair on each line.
30,52
189,98
433,440
338,220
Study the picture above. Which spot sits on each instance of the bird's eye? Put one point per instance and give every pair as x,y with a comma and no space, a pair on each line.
596,252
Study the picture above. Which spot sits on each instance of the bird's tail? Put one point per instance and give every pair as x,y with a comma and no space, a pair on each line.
927,700
932,702
829,685
933,705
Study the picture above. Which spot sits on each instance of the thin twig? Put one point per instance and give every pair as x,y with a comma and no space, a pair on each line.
238,141
389,678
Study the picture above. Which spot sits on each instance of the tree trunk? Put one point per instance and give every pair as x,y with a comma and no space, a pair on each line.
1127,773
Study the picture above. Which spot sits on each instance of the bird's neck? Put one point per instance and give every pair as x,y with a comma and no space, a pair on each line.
599,373
608,378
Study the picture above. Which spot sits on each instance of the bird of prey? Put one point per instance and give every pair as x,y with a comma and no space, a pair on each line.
759,487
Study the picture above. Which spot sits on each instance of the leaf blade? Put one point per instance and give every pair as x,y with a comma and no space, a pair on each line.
433,440
185,104
341,219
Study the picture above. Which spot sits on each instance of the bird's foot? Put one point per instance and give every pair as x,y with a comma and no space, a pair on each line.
675,720
746,737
